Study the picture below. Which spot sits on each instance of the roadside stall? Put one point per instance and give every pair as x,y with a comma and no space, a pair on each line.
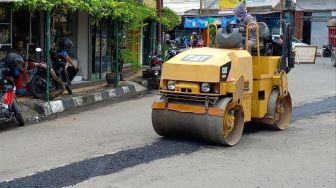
332,40
203,24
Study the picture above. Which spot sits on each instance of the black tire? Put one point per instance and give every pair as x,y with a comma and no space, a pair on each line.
68,88
37,87
326,53
333,58
17,113
156,82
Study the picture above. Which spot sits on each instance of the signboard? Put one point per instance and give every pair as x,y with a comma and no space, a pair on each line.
227,4
305,54
150,3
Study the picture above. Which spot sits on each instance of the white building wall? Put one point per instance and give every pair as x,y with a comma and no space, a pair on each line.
83,45
304,5
181,6
321,11
256,3
319,30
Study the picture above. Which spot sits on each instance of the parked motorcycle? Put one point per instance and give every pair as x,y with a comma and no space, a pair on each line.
9,107
37,79
170,53
155,66
326,50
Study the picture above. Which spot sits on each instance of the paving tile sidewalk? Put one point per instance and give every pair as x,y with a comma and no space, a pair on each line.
34,110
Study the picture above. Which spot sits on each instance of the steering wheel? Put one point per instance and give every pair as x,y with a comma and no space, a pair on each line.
230,27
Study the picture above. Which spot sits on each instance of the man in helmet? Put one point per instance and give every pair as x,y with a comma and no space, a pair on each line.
245,18
65,46
13,62
21,51
63,58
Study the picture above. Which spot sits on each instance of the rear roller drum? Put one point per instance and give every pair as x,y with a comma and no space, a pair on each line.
283,113
279,111
224,130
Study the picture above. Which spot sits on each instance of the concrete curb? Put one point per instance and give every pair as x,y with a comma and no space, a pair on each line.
46,109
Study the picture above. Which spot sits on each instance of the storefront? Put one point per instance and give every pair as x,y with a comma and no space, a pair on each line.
103,38
65,24
92,43
19,25
149,41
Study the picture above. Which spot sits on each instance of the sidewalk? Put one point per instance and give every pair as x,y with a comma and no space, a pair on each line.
35,110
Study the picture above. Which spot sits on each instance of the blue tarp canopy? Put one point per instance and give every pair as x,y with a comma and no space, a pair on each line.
202,22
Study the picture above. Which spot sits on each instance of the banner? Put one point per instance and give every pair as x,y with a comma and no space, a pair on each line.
227,4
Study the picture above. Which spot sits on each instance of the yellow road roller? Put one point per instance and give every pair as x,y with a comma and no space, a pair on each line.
210,93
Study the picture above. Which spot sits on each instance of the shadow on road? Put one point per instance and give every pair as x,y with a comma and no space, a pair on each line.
299,112
8,125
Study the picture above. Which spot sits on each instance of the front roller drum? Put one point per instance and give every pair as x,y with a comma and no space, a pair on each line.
223,130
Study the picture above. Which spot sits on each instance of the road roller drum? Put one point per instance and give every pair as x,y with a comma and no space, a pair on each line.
210,128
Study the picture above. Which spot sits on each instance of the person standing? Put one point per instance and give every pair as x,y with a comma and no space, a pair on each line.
21,51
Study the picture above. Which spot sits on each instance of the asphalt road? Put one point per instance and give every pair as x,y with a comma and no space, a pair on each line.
115,146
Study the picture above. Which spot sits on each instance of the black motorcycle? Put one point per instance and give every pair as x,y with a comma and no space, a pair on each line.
153,71
156,69
37,79
170,53
327,50
9,107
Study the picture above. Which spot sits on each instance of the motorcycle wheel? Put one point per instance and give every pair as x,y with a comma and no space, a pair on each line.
38,88
17,113
333,58
156,82
326,53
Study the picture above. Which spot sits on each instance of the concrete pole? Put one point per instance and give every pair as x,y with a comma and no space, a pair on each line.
117,54
46,50
159,4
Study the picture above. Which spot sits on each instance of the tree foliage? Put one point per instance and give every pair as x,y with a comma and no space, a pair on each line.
169,18
128,12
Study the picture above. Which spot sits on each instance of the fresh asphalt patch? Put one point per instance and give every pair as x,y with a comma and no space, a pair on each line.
80,171
314,108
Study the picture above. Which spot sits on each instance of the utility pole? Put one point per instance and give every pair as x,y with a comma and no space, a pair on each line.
201,7
46,50
159,4
117,76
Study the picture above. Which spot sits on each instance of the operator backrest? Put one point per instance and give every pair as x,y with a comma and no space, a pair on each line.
263,30
229,40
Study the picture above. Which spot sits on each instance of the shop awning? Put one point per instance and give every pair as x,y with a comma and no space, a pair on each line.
202,22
